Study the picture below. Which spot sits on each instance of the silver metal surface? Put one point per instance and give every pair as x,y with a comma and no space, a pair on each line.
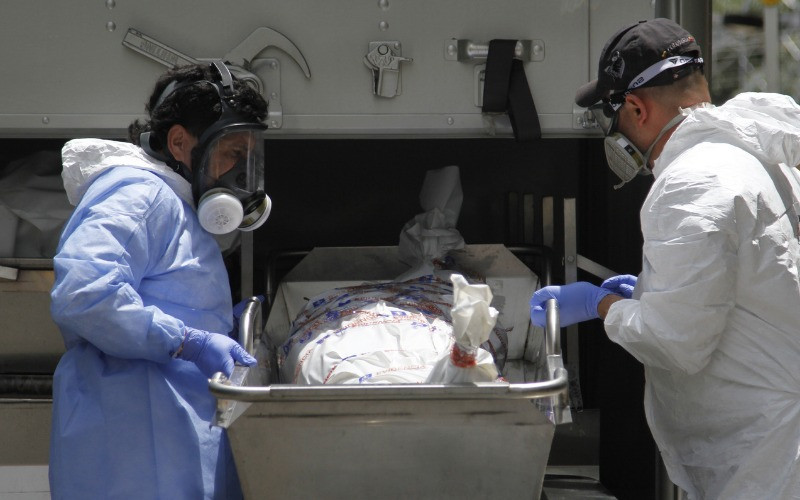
436,99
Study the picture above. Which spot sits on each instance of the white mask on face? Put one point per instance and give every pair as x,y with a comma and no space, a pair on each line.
625,159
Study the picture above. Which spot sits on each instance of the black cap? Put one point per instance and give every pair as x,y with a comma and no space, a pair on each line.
638,55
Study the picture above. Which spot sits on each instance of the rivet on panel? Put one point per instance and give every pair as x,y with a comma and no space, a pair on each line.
110,4
111,26
383,25
450,120
45,120
383,4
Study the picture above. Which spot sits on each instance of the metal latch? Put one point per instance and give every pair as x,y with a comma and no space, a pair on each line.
583,119
384,59
239,60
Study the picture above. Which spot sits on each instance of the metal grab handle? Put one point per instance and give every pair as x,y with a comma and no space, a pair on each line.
552,329
469,50
557,386
250,324
488,390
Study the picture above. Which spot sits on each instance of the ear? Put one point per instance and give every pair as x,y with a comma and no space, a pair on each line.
638,108
180,143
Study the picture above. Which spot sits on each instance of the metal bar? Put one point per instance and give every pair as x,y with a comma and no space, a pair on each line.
250,324
548,224
594,268
528,213
553,338
469,50
246,264
557,386
155,50
490,390
24,263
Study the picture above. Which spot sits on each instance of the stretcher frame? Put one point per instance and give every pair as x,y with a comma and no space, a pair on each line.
486,440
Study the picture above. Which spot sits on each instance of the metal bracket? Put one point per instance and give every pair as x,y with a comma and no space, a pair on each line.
469,50
270,69
241,60
583,119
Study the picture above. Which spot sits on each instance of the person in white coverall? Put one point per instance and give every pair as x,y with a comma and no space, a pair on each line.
142,298
714,316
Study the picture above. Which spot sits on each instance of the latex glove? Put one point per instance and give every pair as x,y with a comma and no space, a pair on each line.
621,285
576,302
213,352
238,309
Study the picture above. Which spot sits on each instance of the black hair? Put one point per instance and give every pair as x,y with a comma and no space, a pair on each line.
196,107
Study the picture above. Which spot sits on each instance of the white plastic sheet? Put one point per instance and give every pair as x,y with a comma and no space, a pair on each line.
383,333
473,320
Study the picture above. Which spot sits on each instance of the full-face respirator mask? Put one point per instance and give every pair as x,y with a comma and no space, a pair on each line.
227,165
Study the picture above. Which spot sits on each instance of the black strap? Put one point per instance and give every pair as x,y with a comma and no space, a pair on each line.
505,88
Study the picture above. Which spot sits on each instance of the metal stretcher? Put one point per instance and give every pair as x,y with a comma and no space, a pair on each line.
488,440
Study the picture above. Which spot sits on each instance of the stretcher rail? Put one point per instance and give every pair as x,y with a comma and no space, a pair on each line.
556,386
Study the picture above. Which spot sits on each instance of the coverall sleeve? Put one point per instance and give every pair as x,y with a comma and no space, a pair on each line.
107,248
687,285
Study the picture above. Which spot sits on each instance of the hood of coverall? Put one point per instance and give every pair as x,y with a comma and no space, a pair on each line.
762,124
85,159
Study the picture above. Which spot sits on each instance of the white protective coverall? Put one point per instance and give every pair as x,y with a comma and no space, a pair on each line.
717,320
132,268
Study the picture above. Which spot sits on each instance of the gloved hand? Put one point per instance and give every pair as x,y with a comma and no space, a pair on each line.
621,285
238,309
576,302
213,352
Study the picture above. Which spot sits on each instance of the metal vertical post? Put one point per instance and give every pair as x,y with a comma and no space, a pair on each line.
772,49
571,276
246,264
695,17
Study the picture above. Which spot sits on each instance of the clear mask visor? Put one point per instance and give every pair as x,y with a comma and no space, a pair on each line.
234,160
605,116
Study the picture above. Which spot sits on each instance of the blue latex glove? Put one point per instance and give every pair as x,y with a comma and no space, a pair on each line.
213,352
621,285
238,309
576,302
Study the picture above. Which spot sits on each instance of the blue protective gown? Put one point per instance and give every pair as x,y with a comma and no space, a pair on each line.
132,268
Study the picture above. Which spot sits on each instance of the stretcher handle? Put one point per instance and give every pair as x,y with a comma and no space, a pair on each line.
486,390
552,329
557,386
250,324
